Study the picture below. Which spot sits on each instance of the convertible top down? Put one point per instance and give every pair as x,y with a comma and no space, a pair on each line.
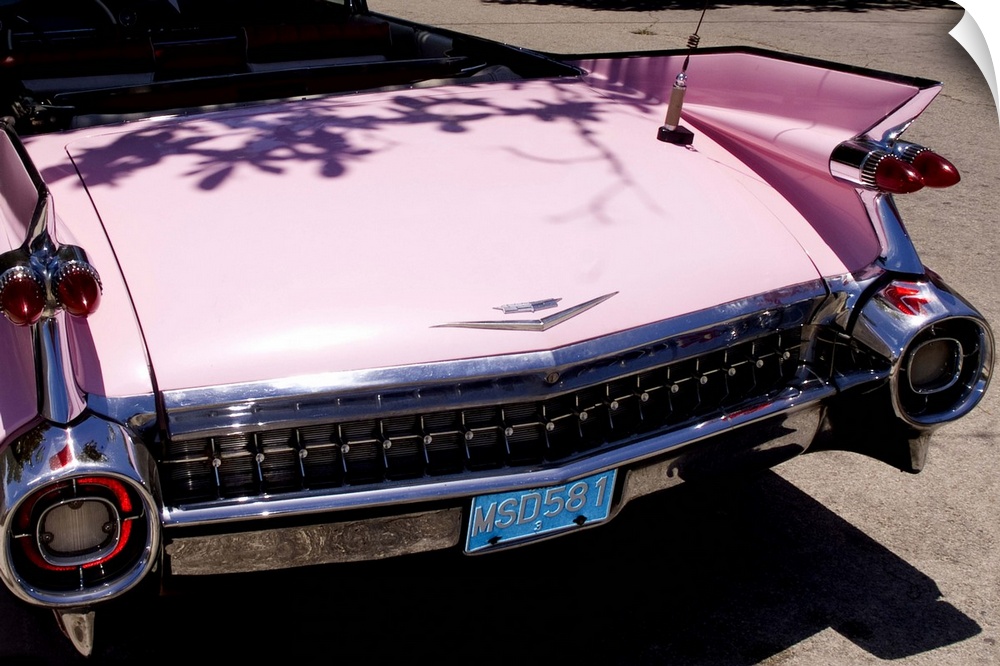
314,285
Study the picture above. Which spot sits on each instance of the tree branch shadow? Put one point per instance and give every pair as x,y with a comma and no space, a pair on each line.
727,573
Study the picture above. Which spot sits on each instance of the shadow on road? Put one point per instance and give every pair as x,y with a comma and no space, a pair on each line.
710,574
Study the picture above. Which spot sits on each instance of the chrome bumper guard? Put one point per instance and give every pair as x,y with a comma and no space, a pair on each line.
51,454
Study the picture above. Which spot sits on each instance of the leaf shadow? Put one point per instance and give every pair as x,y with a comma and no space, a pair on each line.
717,573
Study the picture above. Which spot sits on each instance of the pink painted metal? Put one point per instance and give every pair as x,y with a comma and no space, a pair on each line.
783,119
18,401
335,234
18,398
17,197
107,348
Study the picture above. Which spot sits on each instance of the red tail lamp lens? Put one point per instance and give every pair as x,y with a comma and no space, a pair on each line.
22,296
896,176
78,289
72,525
935,170
908,298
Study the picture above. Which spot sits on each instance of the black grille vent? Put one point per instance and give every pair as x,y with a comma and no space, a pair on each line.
440,443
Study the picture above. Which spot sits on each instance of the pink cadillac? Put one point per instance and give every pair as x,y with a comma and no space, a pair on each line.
228,347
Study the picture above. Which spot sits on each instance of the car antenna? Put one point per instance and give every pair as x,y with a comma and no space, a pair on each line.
671,131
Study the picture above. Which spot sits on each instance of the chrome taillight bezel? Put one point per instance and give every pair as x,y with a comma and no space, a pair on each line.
898,321
891,166
52,464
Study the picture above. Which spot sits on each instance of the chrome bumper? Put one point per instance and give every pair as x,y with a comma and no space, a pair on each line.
761,443
327,525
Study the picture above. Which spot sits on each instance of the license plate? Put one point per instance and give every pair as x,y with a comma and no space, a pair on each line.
505,518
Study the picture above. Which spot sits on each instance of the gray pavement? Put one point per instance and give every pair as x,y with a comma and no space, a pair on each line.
832,559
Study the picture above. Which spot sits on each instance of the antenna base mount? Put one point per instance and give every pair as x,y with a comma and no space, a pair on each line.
679,136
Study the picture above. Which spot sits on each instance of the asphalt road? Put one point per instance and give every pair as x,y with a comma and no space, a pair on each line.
830,559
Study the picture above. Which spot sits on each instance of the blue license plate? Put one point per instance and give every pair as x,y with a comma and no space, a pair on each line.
505,518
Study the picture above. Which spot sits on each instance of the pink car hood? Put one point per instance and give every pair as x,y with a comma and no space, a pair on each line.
337,234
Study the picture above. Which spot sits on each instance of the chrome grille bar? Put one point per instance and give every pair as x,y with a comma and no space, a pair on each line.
406,448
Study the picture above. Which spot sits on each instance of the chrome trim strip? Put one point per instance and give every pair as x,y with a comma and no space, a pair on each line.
846,292
138,412
308,545
889,128
898,253
543,324
788,435
808,393
529,306
301,400
60,400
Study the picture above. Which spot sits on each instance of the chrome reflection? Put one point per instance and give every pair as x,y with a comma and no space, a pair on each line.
941,371
49,455
808,393
300,401
898,253
898,327
760,445
60,400
543,324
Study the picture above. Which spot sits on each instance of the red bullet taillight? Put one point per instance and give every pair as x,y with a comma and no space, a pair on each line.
77,287
22,295
891,174
42,276
935,170
896,168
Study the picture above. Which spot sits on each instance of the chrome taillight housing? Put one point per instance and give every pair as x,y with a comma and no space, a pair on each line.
896,167
42,276
79,513
940,349
38,284
941,374
77,287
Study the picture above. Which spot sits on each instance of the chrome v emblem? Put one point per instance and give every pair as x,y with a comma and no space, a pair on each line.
530,306
543,324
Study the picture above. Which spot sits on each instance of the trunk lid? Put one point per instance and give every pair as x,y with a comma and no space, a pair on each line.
339,233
